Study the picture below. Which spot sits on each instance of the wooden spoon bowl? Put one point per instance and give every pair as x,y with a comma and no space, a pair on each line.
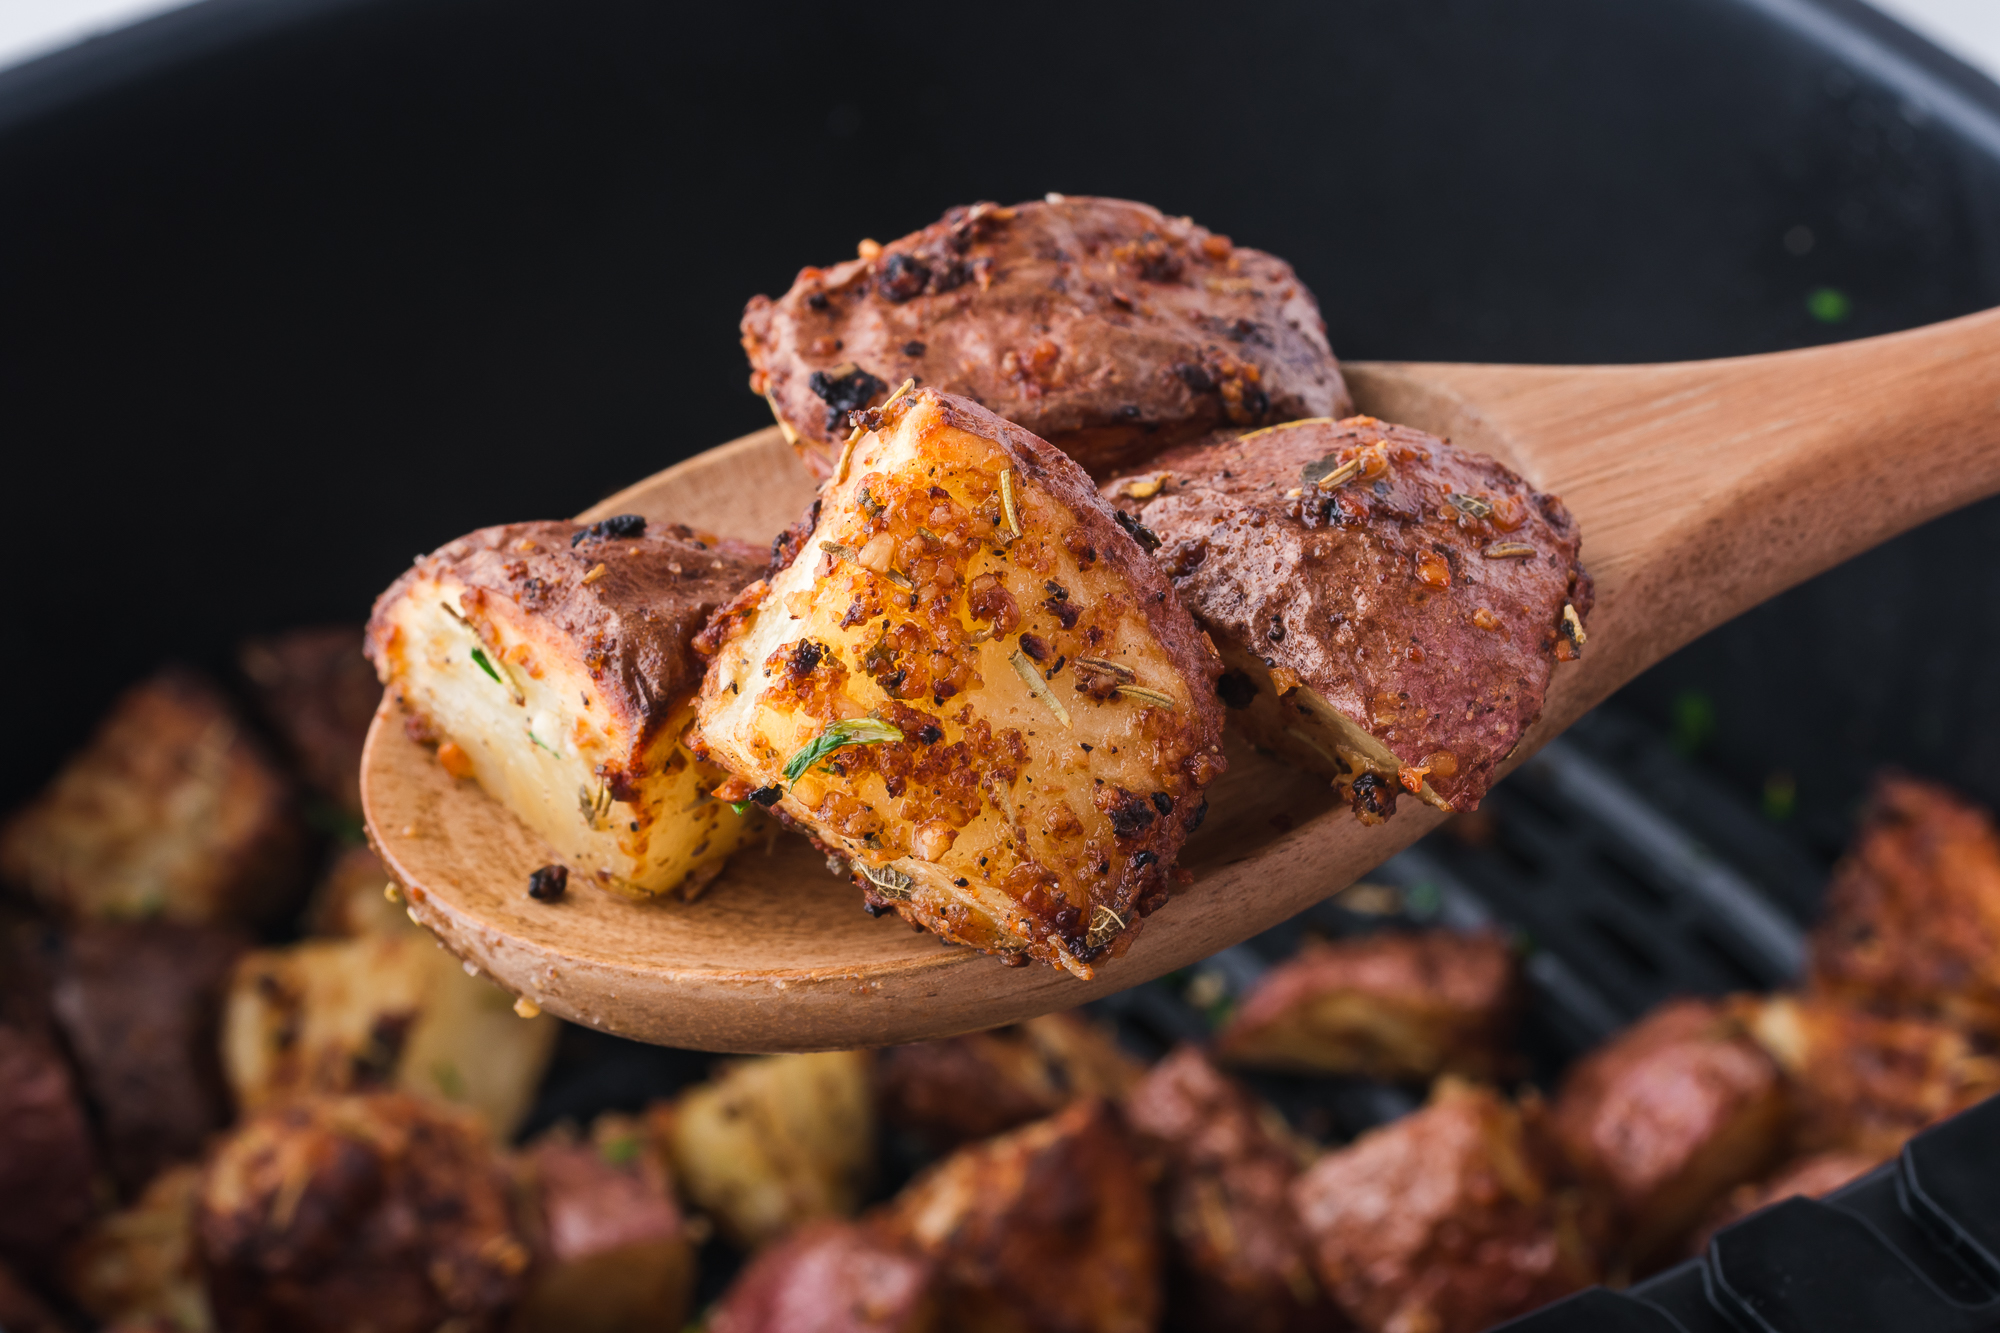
1702,489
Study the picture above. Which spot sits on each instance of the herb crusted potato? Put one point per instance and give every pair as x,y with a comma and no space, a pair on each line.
551,662
972,685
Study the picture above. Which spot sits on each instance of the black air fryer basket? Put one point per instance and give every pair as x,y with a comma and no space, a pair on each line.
291,291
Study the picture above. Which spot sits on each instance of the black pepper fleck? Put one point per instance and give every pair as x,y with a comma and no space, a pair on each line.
548,884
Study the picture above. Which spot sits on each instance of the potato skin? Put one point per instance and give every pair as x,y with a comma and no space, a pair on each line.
1912,918
1377,599
1048,1229
572,714
1443,1220
1668,1116
991,822
1392,1005
46,1159
171,810
139,1005
1237,1257
832,1277
382,1211
954,1091
1100,325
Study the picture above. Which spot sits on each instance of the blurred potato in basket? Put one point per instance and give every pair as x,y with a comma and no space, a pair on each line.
774,1142
379,1011
140,1266
832,1277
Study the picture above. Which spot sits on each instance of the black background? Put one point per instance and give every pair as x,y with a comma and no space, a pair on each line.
290,292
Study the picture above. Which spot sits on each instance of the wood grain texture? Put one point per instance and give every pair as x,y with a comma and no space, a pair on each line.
1702,489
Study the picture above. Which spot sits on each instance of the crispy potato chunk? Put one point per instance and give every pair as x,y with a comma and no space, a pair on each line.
141,1265
1913,914
139,1005
1668,1116
975,688
551,662
831,1277
1391,608
1864,1082
317,691
1813,1176
1050,1227
1237,1257
384,1212
1383,1006
171,810
46,1159
774,1142
1101,325
613,1253
379,1011
1442,1221
951,1092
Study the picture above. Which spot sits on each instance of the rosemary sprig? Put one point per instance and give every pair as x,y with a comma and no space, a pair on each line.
1099,664
1469,505
1037,686
1008,504
837,736
1508,551
1141,692
1104,926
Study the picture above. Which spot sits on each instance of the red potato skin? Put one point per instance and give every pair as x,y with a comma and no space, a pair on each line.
832,1277
1101,325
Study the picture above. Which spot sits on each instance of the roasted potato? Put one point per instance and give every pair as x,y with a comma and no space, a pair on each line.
551,662
379,1011
1670,1115
1237,1258
1913,914
1048,1229
1867,1083
1443,1221
831,1277
140,1005
1391,608
141,1266
351,899
382,1212
171,810
973,688
612,1251
47,1164
318,693
1390,1005
773,1142
953,1091
1100,325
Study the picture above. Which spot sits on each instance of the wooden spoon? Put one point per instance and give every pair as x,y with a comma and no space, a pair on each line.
1702,487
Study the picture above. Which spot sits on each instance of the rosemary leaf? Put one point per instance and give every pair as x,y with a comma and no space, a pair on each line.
839,735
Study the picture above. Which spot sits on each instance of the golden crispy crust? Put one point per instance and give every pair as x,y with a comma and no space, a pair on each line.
1237,1257
631,625
1049,1227
831,1277
1913,915
384,1212
1392,1005
1429,622
1100,325
1440,1221
1051,707
1669,1115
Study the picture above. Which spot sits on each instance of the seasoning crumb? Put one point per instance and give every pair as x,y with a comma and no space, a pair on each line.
549,883
1508,551
527,1008
393,891
596,572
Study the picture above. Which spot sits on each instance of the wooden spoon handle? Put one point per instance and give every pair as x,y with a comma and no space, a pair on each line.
1706,487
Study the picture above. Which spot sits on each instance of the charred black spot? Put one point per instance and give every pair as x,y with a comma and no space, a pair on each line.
1373,797
1195,816
817,300
1062,611
1236,689
1196,378
806,655
1255,402
548,884
1055,590
913,348
902,278
1139,532
873,909
1276,634
1143,859
623,525
930,734
1131,816
1033,646
767,796
846,388
1163,802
